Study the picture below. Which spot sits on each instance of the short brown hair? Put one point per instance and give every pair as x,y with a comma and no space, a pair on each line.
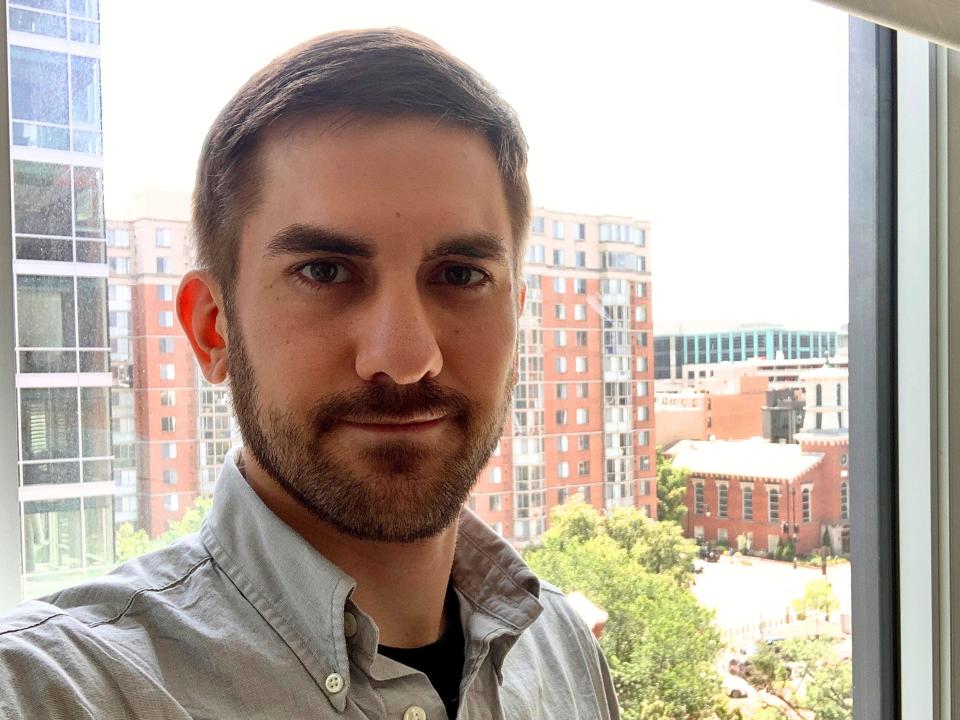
370,73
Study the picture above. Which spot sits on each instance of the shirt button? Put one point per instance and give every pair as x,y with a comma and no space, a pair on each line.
334,683
349,624
415,712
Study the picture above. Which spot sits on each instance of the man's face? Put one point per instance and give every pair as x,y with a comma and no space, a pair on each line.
372,329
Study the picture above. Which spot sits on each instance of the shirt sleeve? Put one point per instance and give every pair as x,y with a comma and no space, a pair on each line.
607,692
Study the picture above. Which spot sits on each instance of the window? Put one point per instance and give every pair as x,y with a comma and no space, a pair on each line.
560,312
118,237
561,391
169,451
747,493
561,417
579,312
640,314
773,504
580,364
496,475
580,259
563,470
644,462
538,225
642,363
642,339
171,503
496,502
166,345
844,501
805,504
163,265
582,416
535,254
722,499
583,468
168,371
582,338
584,442
558,258
558,230
643,388
583,390
641,290
560,364
164,293
698,502
643,438
562,494
162,238
165,319
168,423
168,397
170,477
560,338
560,285
580,288
579,232
119,265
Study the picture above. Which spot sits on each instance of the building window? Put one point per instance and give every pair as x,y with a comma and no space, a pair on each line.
162,238
561,391
582,338
583,390
563,470
168,397
773,504
538,225
168,423
560,338
580,286
640,314
164,293
561,417
118,238
583,468
805,504
642,339
579,232
163,265
169,451
165,318
579,312
582,416
558,230
560,363
643,413
580,259
496,502
535,254
844,460
558,257
170,477
168,371
580,364
644,462
496,475
584,442
643,389
747,503
119,265
166,345
560,312
563,443
171,503
560,285
844,501
643,438
698,504
722,498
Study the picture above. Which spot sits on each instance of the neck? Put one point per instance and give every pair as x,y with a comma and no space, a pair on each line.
401,586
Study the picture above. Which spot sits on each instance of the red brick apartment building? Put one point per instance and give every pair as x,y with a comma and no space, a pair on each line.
723,410
768,492
582,418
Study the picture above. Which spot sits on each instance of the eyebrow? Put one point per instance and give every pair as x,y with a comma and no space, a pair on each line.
305,239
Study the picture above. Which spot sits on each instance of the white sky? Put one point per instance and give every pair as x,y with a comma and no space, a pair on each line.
722,122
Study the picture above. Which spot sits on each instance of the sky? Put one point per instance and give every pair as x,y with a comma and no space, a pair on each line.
721,122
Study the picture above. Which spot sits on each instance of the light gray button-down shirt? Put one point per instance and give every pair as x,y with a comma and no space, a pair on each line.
247,620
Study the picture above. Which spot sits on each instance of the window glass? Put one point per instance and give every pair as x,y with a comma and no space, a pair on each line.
92,311
38,86
85,91
48,419
95,421
45,311
41,197
88,199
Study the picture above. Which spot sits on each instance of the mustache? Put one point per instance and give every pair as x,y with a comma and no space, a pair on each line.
389,403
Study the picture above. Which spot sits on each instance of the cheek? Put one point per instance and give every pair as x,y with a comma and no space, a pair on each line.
481,354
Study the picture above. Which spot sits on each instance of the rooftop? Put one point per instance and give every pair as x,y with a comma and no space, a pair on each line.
754,458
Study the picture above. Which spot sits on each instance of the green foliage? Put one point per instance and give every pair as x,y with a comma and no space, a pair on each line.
190,522
825,540
659,641
671,490
130,543
786,550
818,596
830,694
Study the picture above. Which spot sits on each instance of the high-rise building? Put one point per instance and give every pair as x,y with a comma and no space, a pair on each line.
60,276
582,419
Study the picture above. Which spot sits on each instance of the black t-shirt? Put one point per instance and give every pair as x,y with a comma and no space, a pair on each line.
442,661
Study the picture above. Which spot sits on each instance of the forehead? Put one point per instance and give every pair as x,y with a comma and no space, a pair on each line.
400,182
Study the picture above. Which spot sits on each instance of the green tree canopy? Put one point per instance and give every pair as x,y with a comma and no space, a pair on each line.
671,490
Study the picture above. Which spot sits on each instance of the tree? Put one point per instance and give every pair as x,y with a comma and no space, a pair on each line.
830,694
660,642
189,523
130,543
671,490
819,597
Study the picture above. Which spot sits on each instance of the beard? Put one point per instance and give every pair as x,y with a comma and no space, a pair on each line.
393,491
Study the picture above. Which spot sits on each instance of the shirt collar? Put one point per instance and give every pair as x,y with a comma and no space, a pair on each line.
303,595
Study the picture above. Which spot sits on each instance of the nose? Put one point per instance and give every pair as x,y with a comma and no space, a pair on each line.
396,340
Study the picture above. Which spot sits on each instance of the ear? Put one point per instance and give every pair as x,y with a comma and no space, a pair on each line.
200,310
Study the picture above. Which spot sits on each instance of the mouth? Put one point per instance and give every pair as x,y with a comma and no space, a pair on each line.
407,425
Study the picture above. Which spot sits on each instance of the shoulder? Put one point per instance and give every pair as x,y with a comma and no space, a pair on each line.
78,652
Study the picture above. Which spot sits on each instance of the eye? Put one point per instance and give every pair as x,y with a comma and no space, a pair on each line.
463,276
325,272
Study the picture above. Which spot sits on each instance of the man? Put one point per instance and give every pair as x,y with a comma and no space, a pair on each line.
360,211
